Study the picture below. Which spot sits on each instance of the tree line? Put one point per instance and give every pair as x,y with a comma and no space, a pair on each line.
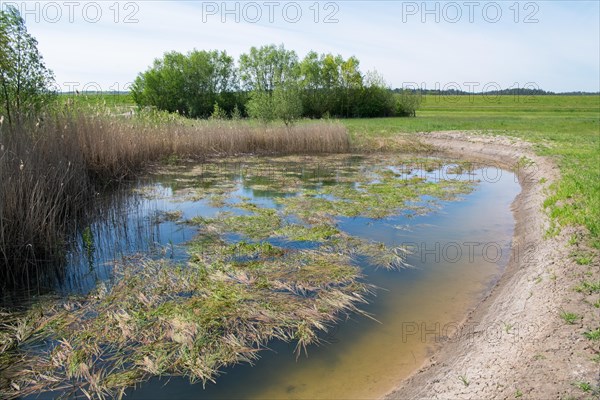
268,83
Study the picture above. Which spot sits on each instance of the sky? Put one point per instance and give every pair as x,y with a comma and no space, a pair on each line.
466,45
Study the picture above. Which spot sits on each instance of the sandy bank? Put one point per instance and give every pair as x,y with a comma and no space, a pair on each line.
514,344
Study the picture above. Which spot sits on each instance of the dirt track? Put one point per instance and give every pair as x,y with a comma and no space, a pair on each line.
514,344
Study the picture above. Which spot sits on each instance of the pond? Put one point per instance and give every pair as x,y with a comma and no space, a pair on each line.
420,240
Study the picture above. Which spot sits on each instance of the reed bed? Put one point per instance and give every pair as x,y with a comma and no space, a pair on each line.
51,168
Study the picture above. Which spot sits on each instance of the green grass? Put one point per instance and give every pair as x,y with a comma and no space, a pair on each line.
566,128
593,334
569,317
583,258
589,388
588,287
585,386
114,99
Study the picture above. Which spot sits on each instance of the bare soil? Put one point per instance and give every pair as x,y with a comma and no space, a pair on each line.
515,344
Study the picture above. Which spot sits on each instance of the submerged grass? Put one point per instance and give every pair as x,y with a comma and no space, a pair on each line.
161,318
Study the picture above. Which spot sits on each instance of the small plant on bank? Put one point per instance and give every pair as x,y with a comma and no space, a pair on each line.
236,114
587,387
582,257
568,317
588,287
593,335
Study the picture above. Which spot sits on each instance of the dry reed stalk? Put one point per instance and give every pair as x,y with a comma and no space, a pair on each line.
51,169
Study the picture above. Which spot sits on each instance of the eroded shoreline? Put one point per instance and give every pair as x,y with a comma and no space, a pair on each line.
535,355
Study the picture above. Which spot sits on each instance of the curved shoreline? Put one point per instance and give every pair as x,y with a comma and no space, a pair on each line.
534,355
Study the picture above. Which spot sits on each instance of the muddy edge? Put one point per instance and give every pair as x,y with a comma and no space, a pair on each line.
513,343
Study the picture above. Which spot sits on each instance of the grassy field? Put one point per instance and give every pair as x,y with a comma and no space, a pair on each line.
116,99
566,128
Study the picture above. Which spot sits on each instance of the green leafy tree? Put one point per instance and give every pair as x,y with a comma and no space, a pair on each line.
351,83
162,86
189,84
375,98
271,75
25,82
270,83
407,103
287,103
311,85
261,106
209,77
264,68
331,83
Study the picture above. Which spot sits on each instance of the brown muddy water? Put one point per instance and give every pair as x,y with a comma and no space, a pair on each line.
458,246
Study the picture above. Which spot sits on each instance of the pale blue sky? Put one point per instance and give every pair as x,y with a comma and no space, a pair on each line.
550,44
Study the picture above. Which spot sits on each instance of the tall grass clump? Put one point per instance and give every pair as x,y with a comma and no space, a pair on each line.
51,168
44,190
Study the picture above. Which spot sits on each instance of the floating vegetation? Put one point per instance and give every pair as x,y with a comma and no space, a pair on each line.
379,198
171,216
302,233
259,225
256,272
161,318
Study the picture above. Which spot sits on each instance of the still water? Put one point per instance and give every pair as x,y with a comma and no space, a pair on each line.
457,248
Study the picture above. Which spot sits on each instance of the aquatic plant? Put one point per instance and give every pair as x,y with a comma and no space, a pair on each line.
161,318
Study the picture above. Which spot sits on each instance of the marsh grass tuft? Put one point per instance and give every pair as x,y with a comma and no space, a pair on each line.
593,335
588,287
569,317
161,318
